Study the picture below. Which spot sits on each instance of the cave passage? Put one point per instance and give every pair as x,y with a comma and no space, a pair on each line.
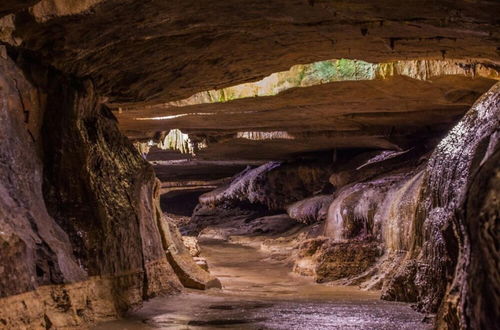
249,164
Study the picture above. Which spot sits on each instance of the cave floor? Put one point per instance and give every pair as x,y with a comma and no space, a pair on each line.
261,293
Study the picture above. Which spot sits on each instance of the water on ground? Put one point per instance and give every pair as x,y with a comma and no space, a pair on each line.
259,293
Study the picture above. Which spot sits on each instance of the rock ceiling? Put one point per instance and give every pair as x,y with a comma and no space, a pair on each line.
426,63
325,105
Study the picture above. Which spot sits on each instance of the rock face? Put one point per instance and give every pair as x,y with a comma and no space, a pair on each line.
10,6
446,226
187,270
42,284
260,191
110,198
79,207
35,250
426,216
310,210
329,261
478,298
191,243
138,51
365,222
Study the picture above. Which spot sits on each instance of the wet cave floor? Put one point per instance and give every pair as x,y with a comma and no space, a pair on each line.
260,293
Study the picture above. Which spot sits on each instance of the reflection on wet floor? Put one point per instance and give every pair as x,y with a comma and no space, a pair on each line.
259,293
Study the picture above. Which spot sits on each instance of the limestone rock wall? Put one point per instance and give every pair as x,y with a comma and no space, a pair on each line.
35,250
107,194
436,223
79,230
449,233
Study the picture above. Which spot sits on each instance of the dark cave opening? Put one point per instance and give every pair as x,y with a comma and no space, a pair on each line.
181,202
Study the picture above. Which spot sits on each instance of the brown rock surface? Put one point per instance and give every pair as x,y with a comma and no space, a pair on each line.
154,50
260,191
310,210
10,6
191,243
35,250
60,306
187,270
93,218
109,199
327,260
480,299
441,243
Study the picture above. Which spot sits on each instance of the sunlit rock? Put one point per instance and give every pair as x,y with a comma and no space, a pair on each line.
258,136
49,9
324,72
191,243
190,274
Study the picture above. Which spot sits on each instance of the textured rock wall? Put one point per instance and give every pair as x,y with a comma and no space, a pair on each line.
436,223
367,222
439,262
34,249
480,301
260,191
447,248
78,227
311,209
273,184
107,193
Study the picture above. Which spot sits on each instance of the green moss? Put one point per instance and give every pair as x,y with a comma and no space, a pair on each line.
324,71
222,96
299,76
346,69
337,70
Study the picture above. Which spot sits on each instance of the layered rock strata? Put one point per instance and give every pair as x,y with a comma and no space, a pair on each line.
153,51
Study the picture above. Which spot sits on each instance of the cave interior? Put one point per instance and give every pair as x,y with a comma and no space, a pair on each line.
262,164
